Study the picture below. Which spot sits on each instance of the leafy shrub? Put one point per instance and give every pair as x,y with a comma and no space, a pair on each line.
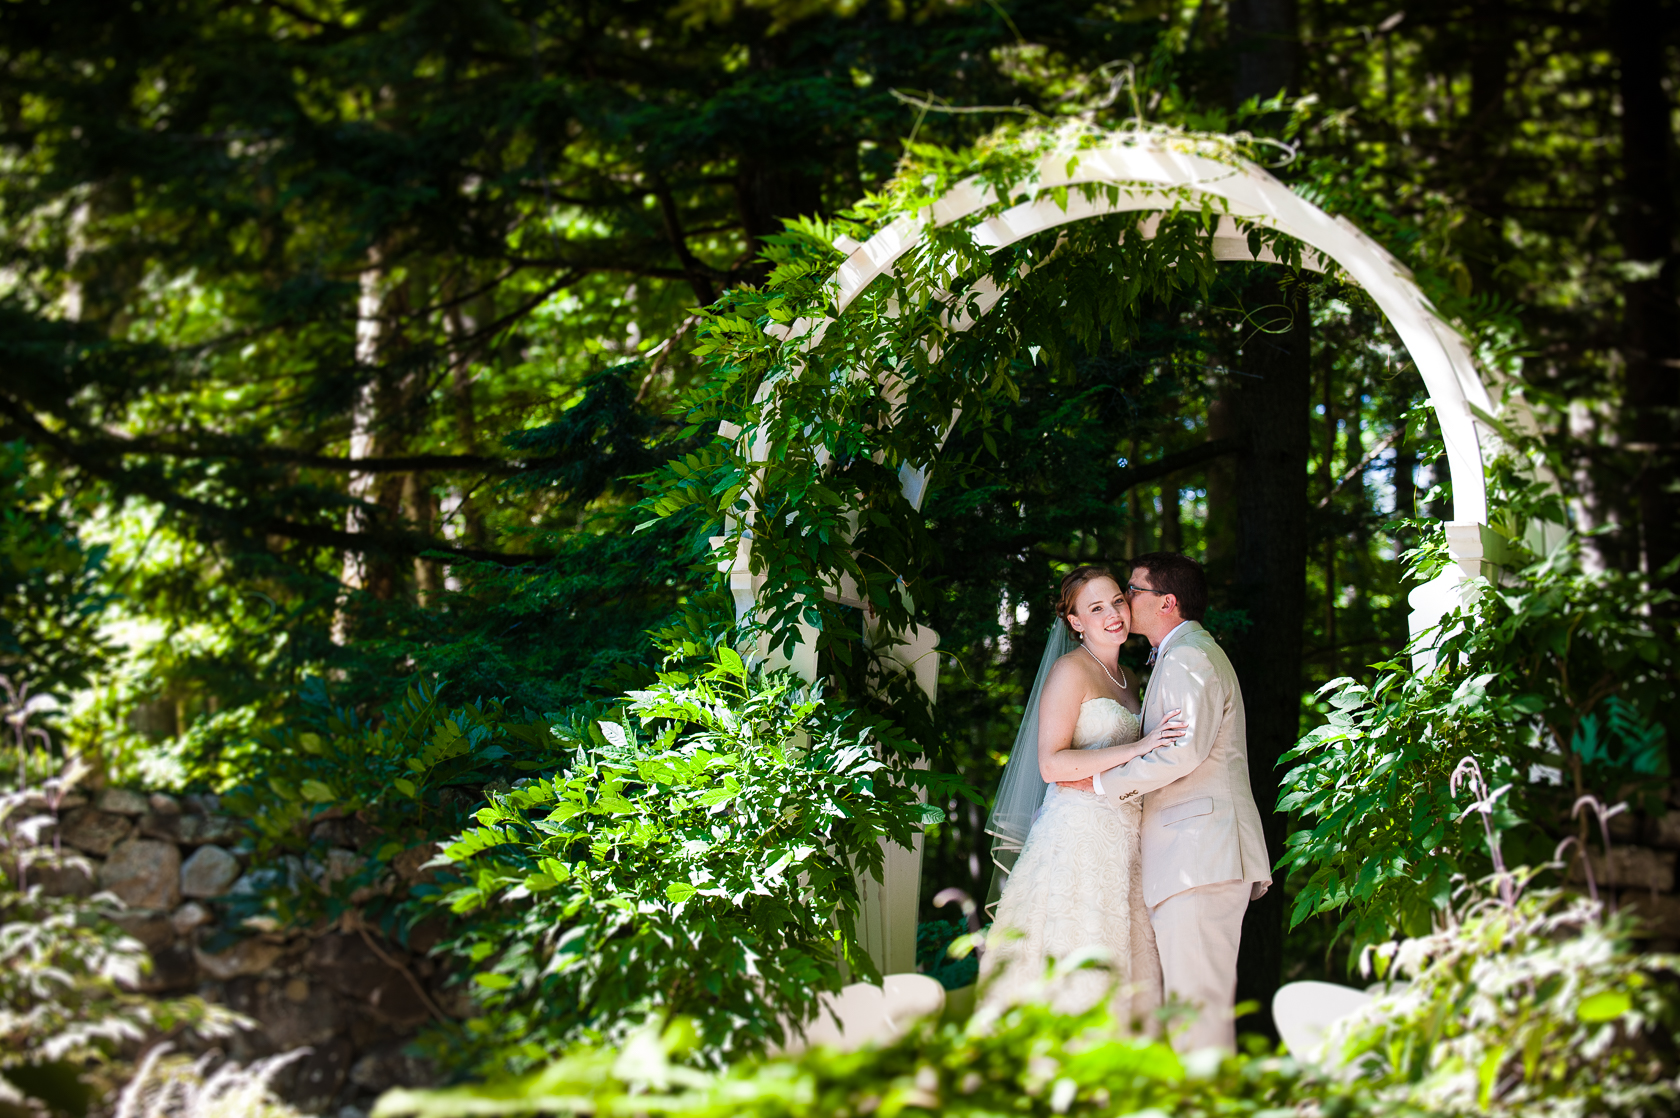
1557,680
1032,1062
1533,1007
399,780
694,851
52,595
697,856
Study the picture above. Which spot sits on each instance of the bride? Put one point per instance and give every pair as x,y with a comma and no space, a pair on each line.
1074,888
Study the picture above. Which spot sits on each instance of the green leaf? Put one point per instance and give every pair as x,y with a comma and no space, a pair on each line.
405,786
493,981
1606,1005
316,792
679,891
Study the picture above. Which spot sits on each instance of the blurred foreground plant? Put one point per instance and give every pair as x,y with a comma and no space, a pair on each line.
168,1086
1031,1062
1534,1006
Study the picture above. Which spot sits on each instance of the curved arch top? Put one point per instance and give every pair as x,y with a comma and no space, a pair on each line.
1153,176
1154,173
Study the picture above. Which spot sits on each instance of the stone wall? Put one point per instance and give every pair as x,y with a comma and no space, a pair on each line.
1639,875
342,990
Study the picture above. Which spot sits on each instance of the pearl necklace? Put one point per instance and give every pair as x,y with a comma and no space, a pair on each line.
1118,683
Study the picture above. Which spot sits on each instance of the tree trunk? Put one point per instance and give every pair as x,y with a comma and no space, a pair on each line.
420,508
374,496
1219,535
1651,323
1491,50
1327,476
766,192
1273,405
1172,524
1405,481
1270,576
466,416
1134,511
1266,41
364,415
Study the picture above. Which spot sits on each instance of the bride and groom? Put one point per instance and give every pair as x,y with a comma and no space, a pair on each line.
1124,823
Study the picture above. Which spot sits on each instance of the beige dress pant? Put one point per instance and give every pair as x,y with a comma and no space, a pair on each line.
1198,932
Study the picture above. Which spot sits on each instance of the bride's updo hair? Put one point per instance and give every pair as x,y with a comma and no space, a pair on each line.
1072,582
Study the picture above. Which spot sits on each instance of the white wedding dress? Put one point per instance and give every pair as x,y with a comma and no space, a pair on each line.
1076,892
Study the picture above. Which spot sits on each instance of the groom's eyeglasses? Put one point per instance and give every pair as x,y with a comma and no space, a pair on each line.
1133,588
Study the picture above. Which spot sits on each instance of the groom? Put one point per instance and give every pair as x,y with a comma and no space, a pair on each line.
1204,855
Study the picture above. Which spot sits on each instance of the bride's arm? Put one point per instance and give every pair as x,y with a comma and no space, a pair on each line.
1078,764
1058,714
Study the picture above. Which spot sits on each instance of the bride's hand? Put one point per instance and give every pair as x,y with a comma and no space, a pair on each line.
1169,731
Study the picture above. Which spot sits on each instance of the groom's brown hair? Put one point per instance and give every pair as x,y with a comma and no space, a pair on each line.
1179,576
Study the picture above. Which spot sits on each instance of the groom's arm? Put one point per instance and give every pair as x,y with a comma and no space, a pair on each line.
1188,682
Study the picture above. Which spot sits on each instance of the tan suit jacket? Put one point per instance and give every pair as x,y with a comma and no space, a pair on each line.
1200,825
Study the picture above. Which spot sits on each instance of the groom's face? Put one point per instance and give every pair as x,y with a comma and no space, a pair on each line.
1154,613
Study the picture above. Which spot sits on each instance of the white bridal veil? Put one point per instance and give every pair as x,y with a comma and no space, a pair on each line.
1021,791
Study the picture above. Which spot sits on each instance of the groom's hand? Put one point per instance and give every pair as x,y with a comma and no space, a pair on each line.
1078,785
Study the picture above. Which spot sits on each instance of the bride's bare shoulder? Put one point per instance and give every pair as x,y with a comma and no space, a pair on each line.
1073,668
1071,661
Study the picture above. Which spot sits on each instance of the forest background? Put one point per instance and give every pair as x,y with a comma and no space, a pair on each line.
337,338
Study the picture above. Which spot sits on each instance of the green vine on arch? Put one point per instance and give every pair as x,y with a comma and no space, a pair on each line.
839,400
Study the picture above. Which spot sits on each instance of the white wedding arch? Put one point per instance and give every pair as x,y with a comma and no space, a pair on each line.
1156,172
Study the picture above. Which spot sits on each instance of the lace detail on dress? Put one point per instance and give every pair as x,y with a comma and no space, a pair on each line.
1098,727
1077,894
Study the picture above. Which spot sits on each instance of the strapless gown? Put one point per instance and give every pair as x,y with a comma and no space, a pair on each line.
1077,893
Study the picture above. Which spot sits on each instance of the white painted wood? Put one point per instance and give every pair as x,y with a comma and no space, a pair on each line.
863,1014
1304,1012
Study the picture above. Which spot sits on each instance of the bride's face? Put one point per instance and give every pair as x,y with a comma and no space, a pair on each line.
1100,613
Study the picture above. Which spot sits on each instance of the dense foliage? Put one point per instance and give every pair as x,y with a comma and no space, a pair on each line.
700,855
694,850
53,591
1557,681
1033,1062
